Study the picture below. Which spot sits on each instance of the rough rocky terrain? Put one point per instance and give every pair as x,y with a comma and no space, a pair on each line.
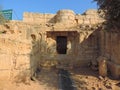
87,79
47,79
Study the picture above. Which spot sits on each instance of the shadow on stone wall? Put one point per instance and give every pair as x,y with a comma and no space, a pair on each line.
89,47
88,52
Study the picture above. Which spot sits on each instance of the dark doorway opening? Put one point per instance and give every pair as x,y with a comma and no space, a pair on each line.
61,44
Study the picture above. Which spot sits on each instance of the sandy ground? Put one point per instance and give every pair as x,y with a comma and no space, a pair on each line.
46,80
22,86
84,79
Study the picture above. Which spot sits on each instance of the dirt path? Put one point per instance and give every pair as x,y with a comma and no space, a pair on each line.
84,78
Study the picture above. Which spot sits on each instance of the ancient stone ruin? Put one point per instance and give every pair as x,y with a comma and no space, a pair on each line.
62,40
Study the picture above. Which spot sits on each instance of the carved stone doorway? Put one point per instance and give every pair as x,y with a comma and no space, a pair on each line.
61,44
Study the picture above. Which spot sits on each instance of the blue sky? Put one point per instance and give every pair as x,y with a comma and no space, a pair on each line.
45,6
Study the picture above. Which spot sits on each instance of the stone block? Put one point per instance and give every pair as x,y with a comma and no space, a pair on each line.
89,16
23,62
92,21
65,16
26,14
114,70
27,20
39,19
91,12
6,62
5,75
23,48
86,21
80,17
38,15
102,67
80,21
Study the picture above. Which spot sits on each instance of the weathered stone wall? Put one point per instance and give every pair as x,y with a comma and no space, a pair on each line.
37,18
82,48
64,16
89,17
31,43
14,57
110,48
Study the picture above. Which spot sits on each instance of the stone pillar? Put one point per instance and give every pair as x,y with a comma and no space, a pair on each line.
102,66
